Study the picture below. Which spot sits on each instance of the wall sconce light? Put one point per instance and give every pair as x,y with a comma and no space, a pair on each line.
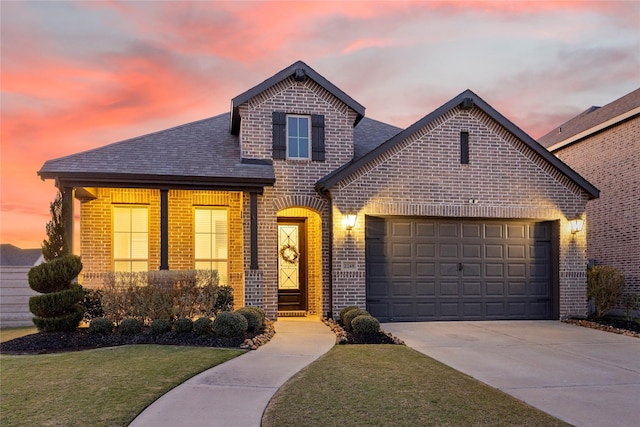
576,224
350,220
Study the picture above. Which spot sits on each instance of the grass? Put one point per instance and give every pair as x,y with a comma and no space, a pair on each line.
7,334
102,387
392,385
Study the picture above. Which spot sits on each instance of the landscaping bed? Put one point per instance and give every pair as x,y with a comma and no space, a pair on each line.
610,324
81,339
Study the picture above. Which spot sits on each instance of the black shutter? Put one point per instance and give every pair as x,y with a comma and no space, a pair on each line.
317,137
464,148
279,135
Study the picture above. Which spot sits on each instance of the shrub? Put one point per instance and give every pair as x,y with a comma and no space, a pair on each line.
224,300
345,311
130,326
202,326
605,285
92,303
630,302
101,325
183,325
229,324
254,320
352,314
56,303
365,325
160,326
61,323
55,275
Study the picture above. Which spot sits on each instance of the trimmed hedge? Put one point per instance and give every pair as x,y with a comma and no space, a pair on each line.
365,325
254,320
202,326
61,323
229,324
183,325
101,325
130,326
55,275
345,311
160,326
352,314
56,303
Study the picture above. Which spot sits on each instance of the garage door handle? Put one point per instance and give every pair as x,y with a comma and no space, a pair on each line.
460,265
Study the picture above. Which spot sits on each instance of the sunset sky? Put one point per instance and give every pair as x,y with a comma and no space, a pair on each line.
79,75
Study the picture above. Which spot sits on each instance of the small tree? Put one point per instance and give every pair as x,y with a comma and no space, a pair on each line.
56,245
605,285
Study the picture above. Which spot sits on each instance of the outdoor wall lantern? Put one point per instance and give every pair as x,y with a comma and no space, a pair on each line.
350,220
576,224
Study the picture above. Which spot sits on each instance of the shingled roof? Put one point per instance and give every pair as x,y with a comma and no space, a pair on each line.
469,99
201,154
13,256
592,120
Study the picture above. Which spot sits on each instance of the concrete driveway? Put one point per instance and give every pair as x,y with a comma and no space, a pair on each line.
583,376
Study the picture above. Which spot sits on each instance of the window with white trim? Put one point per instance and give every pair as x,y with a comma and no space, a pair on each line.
211,225
130,238
298,137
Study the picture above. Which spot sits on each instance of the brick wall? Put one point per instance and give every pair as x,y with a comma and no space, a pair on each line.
96,231
422,176
609,160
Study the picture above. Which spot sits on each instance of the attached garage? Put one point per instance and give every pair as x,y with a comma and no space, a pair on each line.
420,269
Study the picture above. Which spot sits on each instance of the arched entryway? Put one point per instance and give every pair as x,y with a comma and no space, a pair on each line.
299,261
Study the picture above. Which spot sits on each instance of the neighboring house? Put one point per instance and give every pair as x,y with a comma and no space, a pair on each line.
304,206
15,292
603,145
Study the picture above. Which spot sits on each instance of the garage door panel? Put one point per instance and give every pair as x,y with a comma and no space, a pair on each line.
432,269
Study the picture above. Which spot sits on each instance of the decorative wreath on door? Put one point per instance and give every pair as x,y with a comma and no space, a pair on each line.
289,253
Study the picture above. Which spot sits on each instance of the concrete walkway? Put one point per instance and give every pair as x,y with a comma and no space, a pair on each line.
236,392
583,376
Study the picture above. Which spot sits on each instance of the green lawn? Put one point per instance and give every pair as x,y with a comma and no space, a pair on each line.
392,385
102,387
7,334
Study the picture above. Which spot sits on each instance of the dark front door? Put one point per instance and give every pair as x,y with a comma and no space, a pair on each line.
292,272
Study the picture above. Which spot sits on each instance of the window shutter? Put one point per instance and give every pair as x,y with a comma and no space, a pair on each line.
317,137
279,135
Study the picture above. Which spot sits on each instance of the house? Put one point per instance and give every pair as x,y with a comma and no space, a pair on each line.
305,206
603,145
15,264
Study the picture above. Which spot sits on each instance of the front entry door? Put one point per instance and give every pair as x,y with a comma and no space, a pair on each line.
292,272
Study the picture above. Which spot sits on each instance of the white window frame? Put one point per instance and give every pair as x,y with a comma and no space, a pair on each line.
119,260
308,119
223,277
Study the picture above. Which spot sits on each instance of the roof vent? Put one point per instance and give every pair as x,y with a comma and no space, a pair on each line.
300,75
466,104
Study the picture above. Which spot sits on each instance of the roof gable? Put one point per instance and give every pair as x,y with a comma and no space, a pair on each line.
466,99
13,256
594,119
300,71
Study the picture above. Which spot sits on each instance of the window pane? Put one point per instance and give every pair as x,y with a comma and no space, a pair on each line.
293,147
130,238
292,126
122,266
121,220
137,266
203,246
139,246
203,221
303,126
304,148
121,247
139,219
222,271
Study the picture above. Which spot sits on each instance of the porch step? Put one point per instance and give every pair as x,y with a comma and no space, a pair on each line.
292,313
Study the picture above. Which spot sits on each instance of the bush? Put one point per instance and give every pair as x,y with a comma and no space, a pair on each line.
101,325
160,326
130,326
61,323
352,314
183,325
224,300
605,285
254,320
365,325
630,302
56,303
55,275
345,311
92,303
229,324
202,326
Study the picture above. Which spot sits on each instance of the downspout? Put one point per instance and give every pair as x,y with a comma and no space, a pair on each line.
327,195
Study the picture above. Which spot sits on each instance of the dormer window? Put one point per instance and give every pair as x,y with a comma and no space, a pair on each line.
298,137
298,141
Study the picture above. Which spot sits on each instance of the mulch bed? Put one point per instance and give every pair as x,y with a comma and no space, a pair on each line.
81,339
610,324
344,337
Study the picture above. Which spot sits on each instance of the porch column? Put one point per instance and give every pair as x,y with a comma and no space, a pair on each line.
164,229
253,199
67,208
